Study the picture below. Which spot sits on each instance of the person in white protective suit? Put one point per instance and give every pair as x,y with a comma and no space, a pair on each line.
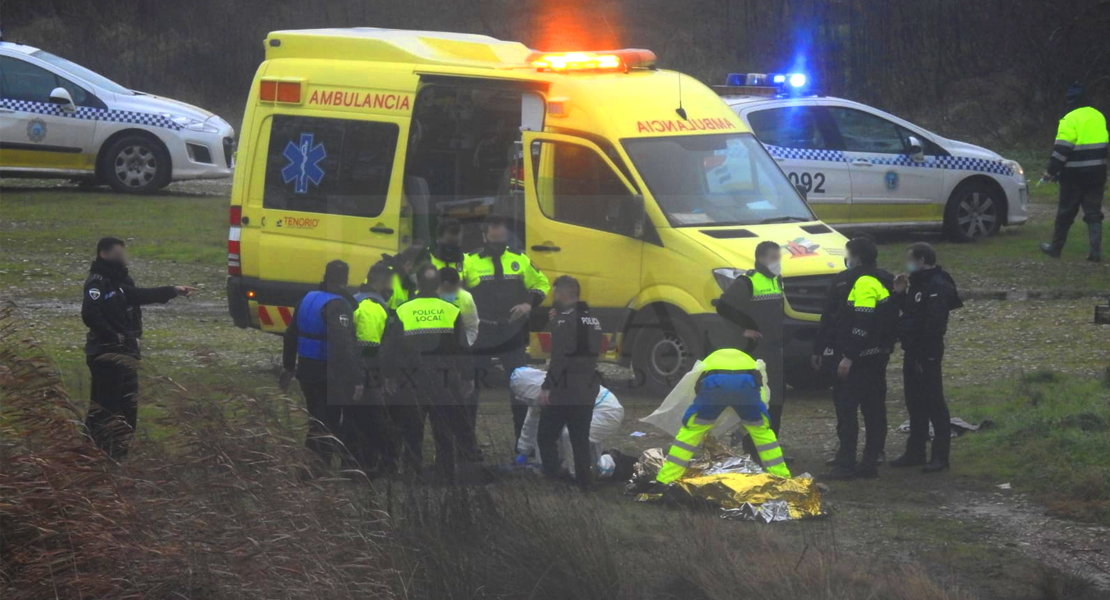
607,418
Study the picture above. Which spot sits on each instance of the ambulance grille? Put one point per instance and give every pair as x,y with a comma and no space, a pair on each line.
807,294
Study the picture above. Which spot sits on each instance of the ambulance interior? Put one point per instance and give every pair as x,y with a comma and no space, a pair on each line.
461,146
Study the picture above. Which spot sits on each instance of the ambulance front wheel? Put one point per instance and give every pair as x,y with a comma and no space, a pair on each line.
663,353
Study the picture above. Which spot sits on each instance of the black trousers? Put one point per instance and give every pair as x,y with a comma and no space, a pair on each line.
325,420
443,406
864,390
1074,196
577,419
113,406
365,433
925,403
483,364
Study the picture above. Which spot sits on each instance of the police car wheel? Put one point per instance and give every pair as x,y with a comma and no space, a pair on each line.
663,355
974,212
136,164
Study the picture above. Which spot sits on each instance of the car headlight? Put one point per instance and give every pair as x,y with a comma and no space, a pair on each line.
725,276
1013,165
192,124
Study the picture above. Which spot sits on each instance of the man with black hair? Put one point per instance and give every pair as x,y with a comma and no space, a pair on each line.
925,297
426,362
572,383
754,302
864,341
321,350
447,251
1078,162
111,309
506,287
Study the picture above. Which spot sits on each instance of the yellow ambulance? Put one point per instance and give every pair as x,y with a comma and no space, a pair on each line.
637,181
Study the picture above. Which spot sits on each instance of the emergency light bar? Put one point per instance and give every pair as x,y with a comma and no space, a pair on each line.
785,82
608,60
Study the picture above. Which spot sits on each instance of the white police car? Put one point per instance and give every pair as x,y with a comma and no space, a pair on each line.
59,119
863,168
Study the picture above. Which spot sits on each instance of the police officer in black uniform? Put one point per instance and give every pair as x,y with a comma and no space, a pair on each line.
321,350
111,310
572,383
925,297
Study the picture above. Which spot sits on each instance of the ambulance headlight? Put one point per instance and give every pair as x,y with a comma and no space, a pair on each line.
725,276
1014,166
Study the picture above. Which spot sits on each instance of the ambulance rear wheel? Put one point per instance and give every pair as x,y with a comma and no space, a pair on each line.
663,354
135,164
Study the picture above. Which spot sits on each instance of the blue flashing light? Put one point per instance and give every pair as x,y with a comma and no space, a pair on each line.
796,80
779,79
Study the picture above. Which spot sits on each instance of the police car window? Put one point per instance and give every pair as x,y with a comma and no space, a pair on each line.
864,132
332,166
789,127
576,186
24,81
724,179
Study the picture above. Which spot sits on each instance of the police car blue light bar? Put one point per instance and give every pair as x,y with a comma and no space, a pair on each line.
784,81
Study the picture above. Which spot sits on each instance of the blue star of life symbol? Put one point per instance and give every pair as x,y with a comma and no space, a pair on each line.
304,163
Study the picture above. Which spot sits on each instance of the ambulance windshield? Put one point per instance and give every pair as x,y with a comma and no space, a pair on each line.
727,179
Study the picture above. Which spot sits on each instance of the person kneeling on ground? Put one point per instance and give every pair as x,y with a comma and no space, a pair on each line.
730,379
572,381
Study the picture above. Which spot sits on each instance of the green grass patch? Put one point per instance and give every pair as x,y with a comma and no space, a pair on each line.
1050,438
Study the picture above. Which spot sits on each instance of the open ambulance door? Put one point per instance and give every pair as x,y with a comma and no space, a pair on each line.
584,219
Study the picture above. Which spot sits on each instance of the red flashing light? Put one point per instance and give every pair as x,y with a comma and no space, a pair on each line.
288,92
609,60
235,216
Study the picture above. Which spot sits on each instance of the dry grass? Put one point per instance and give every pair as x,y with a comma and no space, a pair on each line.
217,510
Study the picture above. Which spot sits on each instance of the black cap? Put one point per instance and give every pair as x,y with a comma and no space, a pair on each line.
1075,92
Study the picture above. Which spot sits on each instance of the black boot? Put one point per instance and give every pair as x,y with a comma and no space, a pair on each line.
1051,249
909,459
936,466
1094,234
840,472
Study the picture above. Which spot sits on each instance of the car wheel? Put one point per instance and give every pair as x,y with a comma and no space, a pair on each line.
974,212
663,354
136,165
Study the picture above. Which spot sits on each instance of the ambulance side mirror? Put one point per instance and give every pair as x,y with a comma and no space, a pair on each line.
639,216
916,148
61,97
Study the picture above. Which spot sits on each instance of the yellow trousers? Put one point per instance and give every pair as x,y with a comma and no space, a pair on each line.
693,433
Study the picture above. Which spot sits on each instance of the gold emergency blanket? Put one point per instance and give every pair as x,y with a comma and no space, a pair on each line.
737,485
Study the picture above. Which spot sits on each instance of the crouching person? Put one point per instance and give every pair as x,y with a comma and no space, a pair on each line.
572,383
730,379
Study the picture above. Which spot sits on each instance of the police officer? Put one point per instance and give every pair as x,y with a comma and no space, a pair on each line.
366,433
572,383
404,274
864,341
925,297
111,310
730,379
320,348
1079,163
426,361
754,302
506,287
447,251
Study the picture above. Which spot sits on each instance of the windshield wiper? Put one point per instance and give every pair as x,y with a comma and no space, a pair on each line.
787,219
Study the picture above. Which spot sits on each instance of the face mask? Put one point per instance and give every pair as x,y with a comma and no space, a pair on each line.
775,268
450,252
449,297
911,267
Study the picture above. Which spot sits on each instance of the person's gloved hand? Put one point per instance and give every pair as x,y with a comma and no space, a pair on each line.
521,459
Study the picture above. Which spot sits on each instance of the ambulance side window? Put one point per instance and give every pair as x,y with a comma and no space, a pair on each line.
575,185
789,127
330,166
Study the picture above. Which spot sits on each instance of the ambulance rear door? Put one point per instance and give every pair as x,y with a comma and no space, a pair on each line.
328,186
